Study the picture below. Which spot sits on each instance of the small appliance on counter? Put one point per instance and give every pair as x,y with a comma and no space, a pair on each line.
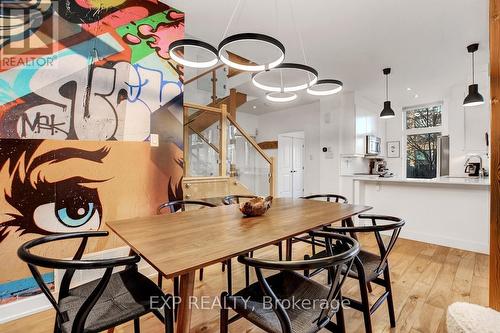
475,169
379,167
472,169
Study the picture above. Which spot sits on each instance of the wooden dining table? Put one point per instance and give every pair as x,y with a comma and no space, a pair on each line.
179,244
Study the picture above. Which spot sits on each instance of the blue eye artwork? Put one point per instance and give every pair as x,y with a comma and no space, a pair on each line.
75,208
75,216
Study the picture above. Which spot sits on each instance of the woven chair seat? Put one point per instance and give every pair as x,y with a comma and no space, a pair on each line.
370,264
286,285
127,296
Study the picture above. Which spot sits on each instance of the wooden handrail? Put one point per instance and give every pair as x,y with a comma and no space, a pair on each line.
203,74
250,139
202,107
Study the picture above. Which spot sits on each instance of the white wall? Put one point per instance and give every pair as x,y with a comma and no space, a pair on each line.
304,118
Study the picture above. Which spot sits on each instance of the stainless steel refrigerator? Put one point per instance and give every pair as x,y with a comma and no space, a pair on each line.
443,156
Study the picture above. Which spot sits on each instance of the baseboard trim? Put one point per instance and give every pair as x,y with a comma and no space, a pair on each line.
446,241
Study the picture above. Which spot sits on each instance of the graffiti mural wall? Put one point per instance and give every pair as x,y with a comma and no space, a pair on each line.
83,85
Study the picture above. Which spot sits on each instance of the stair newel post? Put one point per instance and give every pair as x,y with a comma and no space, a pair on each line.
233,102
185,165
214,86
272,166
223,141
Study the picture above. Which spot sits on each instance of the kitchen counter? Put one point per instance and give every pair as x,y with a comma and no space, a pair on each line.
439,180
449,211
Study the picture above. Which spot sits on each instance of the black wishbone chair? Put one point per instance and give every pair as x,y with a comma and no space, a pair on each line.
236,199
289,302
102,304
322,197
368,267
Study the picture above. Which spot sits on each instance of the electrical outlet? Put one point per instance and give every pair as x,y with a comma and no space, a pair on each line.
154,140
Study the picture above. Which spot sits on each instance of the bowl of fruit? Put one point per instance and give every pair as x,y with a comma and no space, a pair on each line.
256,206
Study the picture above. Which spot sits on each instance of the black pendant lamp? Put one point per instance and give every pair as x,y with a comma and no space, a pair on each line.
474,98
387,112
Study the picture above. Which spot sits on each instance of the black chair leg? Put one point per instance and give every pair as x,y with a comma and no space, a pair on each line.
247,271
223,266
390,301
280,251
169,316
340,315
137,326
160,280
229,277
224,315
366,305
306,271
313,245
369,286
201,274
247,275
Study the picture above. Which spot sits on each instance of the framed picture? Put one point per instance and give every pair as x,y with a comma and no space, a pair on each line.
393,149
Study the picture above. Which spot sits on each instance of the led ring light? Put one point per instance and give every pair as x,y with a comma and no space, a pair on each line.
333,87
193,43
281,97
312,76
251,37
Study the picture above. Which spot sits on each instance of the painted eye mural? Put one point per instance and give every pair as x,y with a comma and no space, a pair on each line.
74,213
76,206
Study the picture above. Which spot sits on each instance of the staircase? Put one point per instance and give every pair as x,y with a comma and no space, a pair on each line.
220,157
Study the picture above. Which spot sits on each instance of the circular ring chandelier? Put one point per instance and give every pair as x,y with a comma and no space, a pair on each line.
234,39
325,87
281,96
312,78
181,43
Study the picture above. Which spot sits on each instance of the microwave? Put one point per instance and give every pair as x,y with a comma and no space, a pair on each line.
372,145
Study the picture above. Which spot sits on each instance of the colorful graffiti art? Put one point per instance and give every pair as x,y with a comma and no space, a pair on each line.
104,86
83,85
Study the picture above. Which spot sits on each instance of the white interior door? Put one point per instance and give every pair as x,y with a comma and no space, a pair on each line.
298,167
285,167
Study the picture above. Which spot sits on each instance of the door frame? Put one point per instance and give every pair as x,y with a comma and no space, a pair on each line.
296,134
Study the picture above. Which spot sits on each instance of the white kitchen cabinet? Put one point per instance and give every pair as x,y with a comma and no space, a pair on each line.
360,118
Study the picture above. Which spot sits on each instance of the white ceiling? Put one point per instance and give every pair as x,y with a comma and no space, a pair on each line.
423,41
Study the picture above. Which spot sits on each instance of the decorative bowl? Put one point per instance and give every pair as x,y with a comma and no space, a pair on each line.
256,206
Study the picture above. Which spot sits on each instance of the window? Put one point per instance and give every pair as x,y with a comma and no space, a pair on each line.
423,128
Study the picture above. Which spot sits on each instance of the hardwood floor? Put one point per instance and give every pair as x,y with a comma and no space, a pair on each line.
426,279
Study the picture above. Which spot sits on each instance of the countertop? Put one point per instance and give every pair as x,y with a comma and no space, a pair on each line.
460,180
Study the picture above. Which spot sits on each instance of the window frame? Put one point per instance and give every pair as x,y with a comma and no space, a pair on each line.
422,130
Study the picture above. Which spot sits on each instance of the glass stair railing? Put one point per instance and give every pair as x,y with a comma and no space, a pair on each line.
217,146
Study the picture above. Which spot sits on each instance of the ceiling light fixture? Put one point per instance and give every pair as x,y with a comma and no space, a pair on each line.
281,96
246,37
325,87
175,48
310,77
474,98
387,112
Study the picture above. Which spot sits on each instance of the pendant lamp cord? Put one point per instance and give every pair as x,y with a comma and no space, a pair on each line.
231,18
387,87
281,78
276,18
297,31
473,68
